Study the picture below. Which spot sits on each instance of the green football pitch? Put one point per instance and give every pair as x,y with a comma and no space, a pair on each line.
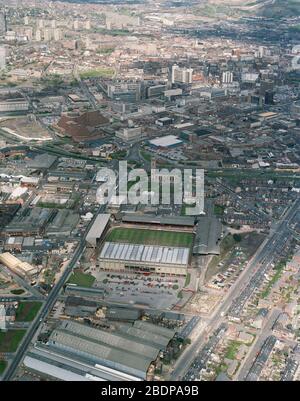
151,237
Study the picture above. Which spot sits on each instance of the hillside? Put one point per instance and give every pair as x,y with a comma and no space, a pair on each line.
282,9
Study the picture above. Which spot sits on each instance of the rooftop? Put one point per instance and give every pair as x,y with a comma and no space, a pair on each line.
166,141
145,253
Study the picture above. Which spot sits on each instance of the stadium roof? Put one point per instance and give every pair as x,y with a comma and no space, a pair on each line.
163,220
208,233
145,253
97,228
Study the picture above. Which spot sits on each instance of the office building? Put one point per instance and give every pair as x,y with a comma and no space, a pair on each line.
3,23
182,75
2,57
130,134
227,77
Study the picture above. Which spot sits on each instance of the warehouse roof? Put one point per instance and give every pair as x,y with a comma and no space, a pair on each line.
146,337
116,340
166,141
97,228
85,290
155,329
14,263
103,352
145,253
50,369
44,161
114,313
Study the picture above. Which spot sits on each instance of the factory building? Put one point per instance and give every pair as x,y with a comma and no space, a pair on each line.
129,353
63,224
62,367
14,105
133,258
122,314
23,269
71,289
31,224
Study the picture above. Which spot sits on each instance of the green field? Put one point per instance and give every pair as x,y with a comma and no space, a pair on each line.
151,237
98,73
3,365
232,349
18,291
81,279
9,340
27,311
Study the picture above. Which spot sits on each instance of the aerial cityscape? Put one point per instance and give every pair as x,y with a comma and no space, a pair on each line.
149,190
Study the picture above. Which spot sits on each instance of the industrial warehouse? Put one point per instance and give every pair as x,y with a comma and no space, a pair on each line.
144,258
129,353
19,267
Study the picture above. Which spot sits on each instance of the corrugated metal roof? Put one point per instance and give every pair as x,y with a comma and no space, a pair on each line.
154,329
147,337
101,351
112,339
145,253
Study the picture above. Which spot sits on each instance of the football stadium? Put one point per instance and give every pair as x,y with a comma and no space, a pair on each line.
145,249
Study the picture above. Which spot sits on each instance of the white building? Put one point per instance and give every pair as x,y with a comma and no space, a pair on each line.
16,265
2,317
57,34
38,35
48,35
2,57
41,24
130,134
14,105
227,77
182,75
3,23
